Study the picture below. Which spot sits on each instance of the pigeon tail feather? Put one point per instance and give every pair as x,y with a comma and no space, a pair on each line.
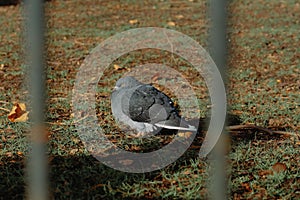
190,128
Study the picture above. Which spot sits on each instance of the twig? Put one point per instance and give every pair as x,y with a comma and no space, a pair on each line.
286,133
252,126
249,126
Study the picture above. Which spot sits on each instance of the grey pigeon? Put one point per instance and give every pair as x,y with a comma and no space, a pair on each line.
144,108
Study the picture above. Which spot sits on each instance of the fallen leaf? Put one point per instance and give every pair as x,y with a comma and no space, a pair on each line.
9,154
155,77
276,168
126,162
18,113
246,187
76,140
50,158
179,16
279,167
133,21
185,134
3,138
136,148
264,173
273,57
187,172
117,67
73,151
195,146
171,23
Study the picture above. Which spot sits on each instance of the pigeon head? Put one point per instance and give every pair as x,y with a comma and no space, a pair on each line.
127,82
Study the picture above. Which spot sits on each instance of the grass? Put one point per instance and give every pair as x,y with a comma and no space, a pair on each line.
250,154
263,89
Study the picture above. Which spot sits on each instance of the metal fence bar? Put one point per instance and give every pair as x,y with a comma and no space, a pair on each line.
218,51
37,163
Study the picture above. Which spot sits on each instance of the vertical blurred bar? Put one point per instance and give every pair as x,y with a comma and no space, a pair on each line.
218,51
37,162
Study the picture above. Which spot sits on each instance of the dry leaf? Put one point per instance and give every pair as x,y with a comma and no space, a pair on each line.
246,187
73,151
185,134
155,77
18,113
171,23
136,148
126,162
179,16
279,167
276,168
9,154
264,173
187,172
117,67
133,21
3,138
273,57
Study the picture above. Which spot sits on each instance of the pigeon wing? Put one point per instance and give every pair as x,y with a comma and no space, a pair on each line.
147,104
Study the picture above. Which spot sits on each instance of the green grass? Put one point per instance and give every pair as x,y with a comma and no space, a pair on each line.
260,157
263,89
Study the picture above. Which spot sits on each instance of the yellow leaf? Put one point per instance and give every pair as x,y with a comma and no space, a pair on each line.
73,151
171,23
179,16
18,113
185,134
133,21
117,67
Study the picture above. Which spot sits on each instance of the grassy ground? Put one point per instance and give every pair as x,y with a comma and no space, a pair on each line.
263,89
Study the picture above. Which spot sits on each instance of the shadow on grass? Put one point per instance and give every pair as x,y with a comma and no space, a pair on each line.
84,177
12,183
9,2
74,177
12,2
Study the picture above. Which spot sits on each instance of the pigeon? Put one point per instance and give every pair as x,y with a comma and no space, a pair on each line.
144,108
